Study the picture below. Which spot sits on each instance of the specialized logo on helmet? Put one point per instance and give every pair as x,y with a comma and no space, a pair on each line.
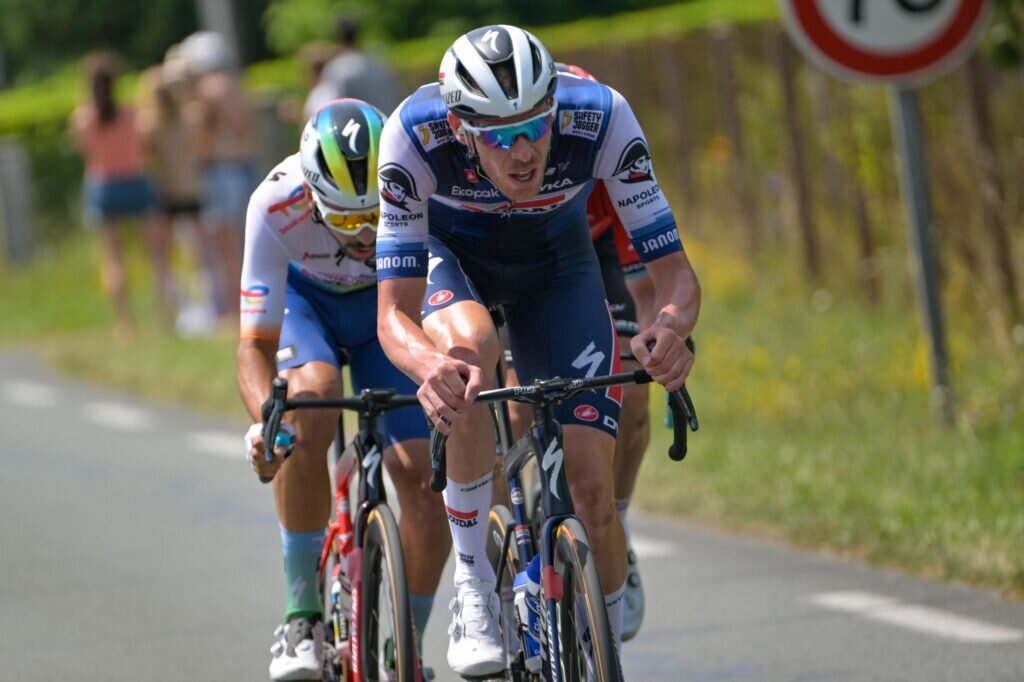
492,42
397,186
635,163
351,132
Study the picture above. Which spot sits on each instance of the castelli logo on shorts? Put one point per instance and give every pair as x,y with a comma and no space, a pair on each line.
586,413
441,297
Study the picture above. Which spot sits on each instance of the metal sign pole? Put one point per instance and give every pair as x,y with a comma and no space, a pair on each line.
914,182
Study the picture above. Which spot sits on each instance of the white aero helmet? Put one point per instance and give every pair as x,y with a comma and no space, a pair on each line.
338,153
469,83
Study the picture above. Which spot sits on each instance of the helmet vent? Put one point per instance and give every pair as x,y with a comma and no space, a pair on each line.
321,163
505,74
467,80
537,61
358,171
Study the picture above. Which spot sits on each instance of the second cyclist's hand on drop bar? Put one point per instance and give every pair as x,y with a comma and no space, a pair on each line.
255,450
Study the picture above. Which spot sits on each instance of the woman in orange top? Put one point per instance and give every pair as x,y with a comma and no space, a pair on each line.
116,188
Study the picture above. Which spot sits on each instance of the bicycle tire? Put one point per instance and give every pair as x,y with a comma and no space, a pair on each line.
574,561
497,521
383,561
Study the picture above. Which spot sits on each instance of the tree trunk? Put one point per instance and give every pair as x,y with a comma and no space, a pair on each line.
672,82
797,169
724,42
992,194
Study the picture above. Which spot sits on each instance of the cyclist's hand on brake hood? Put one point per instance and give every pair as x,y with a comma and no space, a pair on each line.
668,361
448,390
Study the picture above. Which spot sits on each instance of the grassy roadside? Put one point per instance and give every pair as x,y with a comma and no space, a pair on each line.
816,427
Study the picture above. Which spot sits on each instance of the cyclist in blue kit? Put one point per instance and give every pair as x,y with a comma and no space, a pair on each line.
484,179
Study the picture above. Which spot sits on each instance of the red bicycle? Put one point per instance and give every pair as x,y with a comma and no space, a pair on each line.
369,634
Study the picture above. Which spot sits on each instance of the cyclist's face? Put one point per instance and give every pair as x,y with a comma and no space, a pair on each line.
360,247
517,172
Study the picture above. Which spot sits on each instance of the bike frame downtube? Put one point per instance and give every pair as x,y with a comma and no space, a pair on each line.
371,487
547,559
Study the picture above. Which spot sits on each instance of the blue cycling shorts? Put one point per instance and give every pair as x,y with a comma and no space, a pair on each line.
558,319
325,327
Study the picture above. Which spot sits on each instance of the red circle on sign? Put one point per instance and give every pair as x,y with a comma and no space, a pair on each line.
839,50
441,297
586,413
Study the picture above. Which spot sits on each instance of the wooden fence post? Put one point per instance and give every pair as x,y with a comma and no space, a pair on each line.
992,194
724,46
672,83
797,169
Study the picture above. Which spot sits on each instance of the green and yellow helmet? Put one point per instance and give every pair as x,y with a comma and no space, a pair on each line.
339,150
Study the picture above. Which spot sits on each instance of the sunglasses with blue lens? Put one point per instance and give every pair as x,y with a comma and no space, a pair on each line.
504,136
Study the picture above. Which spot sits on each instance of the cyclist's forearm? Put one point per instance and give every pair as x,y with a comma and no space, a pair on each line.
407,345
255,367
677,294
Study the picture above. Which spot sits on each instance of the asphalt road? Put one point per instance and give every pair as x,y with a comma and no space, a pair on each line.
136,545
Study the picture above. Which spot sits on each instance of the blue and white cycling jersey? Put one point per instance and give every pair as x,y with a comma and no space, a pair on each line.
441,218
429,186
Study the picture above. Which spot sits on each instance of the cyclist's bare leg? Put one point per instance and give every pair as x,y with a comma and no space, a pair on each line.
422,525
634,434
588,468
302,485
465,331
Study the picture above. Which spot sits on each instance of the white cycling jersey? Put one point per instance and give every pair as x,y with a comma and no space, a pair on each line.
282,240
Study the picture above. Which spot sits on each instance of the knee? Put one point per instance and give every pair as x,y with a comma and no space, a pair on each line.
468,337
594,502
635,415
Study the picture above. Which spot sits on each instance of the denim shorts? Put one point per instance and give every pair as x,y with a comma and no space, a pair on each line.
227,187
121,198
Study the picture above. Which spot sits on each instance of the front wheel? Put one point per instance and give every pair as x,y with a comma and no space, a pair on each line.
497,521
387,650
584,636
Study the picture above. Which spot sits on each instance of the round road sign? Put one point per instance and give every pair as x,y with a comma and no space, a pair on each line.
896,41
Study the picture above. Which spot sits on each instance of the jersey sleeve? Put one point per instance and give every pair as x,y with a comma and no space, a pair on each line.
264,278
406,183
624,163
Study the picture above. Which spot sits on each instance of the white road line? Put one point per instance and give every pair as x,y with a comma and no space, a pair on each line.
649,548
120,417
219,444
920,618
30,394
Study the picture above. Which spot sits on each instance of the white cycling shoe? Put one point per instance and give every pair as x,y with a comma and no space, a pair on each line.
475,648
633,599
297,651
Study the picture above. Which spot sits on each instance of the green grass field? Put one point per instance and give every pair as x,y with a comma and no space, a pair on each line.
816,427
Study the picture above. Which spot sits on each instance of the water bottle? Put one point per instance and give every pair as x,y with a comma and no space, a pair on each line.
527,601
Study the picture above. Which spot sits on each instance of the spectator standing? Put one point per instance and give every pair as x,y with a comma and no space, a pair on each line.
358,74
170,132
228,150
116,188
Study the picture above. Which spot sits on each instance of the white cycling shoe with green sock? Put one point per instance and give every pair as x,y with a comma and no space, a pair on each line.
297,653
